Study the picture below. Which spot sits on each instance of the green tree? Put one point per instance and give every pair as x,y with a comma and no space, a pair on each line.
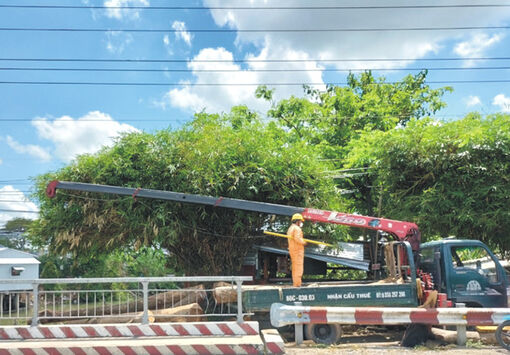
14,234
331,119
17,225
451,178
233,155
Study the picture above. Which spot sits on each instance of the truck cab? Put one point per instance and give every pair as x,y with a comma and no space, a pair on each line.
467,271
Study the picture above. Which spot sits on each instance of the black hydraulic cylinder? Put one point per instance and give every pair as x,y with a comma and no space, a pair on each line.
225,202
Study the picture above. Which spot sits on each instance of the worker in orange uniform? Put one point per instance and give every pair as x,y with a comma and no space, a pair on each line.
296,248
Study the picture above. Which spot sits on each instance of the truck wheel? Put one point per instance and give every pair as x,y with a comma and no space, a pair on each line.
323,333
503,336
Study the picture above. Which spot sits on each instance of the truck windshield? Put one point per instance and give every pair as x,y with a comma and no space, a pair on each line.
475,258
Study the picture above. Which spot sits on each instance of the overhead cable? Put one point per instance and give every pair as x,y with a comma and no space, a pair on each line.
248,60
241,70
17,211
190,118
371,7
112,83
252,30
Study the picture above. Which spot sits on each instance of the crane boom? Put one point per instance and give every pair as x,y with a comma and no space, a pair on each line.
399,229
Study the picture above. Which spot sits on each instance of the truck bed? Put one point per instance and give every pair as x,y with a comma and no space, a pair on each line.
259,298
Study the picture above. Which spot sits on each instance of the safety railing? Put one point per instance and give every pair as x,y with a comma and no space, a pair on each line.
124,300
461,317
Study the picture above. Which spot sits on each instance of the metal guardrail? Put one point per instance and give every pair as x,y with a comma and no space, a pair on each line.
129,298
299,315
286,315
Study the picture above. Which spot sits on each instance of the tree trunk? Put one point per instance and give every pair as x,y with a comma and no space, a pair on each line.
181,314
450,336
168,299
224,293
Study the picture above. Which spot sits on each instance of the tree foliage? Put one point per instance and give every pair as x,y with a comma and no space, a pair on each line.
331,119
450,178
17,225
233,155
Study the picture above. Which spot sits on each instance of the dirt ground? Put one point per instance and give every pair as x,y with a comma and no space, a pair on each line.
389,348
379,340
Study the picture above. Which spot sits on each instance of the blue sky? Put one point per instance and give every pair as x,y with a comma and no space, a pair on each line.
42,127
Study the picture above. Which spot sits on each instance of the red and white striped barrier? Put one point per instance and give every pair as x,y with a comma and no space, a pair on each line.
129,330
179,346
285,315
273,341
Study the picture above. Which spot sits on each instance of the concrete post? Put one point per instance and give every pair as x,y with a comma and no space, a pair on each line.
298,329
461,329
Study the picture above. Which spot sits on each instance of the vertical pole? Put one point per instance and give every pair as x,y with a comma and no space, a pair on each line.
145,317
239,302
461,329
298,329
35,308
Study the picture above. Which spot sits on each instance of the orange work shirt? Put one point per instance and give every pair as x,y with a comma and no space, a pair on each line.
296,241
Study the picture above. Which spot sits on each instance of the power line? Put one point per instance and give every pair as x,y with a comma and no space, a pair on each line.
101,60
245,70
12,180
13,192
91,83
97,7
17,211
189,118
232,30
11,120
16,201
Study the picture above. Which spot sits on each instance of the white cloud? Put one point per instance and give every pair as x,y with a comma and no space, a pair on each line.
86,134
317,45
167,44
347,45
30,149
181,32
221,98
473,101
13,199
1,161
476,46
503,102
116,41
120,14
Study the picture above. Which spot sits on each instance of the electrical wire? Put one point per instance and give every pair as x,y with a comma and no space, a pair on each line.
104,60
17,211
16,201
379,7
246,70
190,118
253,30
92,83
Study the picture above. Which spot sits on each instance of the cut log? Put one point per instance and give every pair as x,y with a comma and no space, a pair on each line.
128,318
450,336
178,297
125,318
172,298
225,293
188,313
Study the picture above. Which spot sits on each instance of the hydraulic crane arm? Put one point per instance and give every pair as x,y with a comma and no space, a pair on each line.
399,229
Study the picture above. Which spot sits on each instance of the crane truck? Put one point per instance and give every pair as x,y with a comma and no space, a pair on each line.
400,270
